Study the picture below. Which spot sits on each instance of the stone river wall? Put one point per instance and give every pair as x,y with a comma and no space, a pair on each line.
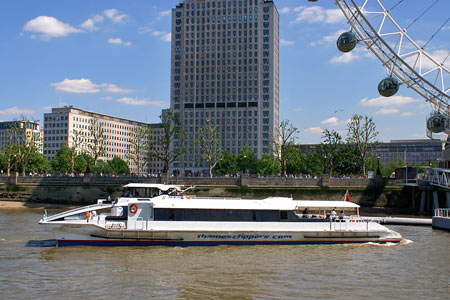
81,191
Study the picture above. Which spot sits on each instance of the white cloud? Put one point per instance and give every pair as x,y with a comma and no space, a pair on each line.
143,101
318,14
344,58
356,54
79,86
284,42
16,111
407,114
85,86
328,39
89,24
107,98
48,27
114,15
165,13
387,101
333,121
313,131
299,109
284,10
166,37
112,88
118,41
387,111
162,35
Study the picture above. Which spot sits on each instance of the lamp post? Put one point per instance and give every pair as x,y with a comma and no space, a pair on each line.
245,163
378,168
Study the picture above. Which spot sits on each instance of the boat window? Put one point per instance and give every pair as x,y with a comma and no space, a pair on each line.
283,215
125,193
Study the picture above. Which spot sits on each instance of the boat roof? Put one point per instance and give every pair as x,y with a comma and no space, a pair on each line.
272,203
162,187
325,204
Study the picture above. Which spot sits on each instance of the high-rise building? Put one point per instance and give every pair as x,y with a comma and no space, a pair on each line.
62,124
225,73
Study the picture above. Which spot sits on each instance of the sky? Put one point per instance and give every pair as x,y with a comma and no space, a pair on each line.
113,57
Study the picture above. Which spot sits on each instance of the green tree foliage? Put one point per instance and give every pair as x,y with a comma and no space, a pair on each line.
62,161
246,160
118,166
228,165
268,165
37,163
347,160
313,164
80,163
330,145
296,163
3,163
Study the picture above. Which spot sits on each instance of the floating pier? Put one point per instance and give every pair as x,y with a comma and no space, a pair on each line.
400,221
441,219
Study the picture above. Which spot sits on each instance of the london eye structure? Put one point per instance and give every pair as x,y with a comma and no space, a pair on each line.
406,62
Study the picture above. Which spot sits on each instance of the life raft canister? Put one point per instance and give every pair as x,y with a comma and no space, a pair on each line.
134,208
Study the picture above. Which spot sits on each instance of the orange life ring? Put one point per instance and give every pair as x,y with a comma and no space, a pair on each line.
134,208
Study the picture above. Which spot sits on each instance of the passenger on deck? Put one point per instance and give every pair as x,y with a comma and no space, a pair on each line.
333,214
305,212
341,215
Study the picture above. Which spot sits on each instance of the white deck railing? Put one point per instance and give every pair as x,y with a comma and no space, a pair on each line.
442,212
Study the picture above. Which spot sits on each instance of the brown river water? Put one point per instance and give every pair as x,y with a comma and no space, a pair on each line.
418,268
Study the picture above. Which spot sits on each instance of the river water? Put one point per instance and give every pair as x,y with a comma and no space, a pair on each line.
418,268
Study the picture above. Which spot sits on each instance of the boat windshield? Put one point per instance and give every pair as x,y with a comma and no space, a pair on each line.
141,192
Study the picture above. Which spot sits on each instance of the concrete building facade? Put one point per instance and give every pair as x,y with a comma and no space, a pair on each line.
25,128
225,74
413,152
61,125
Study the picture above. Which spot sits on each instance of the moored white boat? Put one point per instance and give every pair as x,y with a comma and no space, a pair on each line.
156,214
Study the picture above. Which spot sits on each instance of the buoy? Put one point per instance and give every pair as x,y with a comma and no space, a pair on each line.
134,208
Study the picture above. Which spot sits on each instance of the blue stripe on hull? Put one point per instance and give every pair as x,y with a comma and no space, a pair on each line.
114,243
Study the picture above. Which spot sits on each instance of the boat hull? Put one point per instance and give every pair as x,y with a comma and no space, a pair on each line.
202,238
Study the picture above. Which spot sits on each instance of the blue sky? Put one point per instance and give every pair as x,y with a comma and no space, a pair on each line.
113,57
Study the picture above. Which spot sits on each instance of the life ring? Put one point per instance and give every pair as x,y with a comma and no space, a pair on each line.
134,208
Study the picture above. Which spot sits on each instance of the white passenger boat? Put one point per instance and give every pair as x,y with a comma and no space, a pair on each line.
157,214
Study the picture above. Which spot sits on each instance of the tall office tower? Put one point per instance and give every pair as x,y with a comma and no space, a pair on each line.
225,73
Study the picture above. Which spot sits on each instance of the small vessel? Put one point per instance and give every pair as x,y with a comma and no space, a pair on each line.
158,214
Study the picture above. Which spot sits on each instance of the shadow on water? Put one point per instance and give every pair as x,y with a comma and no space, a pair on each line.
41,243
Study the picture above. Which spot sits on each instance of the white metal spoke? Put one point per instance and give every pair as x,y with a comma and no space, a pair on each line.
382,35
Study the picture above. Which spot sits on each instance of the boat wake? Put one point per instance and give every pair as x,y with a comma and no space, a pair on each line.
402,242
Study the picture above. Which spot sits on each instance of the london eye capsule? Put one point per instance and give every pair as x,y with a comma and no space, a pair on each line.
388,87
437,123
346,42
